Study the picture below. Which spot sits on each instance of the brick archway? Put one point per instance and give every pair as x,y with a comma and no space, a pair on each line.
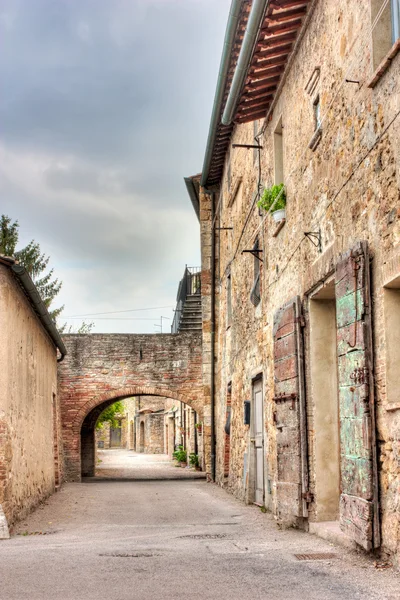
102,368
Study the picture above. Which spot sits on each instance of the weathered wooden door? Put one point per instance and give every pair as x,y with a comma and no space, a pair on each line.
290,413
115,437
359,511
258,429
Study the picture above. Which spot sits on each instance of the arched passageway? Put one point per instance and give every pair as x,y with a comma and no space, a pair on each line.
102,368
160,424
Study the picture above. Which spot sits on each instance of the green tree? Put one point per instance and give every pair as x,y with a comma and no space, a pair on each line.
34,261
109,415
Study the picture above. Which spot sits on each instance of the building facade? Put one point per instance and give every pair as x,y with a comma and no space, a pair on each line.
301,317
30,431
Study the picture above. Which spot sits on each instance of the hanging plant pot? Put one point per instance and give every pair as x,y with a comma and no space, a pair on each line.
279,215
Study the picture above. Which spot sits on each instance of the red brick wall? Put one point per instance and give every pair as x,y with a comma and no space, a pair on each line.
102,368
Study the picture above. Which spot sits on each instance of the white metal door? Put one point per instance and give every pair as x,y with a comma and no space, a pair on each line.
258,424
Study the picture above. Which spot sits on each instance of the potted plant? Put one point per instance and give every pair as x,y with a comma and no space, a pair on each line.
194,461
199,427
274,197
180,455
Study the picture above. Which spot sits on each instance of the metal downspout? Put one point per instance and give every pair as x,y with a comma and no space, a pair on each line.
231,27
254,23
212,383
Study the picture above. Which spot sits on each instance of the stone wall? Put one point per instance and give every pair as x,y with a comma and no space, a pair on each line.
30,448
346,188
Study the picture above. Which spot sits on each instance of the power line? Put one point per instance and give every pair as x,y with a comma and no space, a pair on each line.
115,318
114,312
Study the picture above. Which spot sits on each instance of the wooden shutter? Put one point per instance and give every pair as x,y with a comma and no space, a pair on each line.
359,516
290,414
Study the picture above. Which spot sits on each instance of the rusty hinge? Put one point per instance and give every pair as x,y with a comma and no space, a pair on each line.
308,497
300,320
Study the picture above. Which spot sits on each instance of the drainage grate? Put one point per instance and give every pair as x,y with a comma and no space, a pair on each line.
317,556
204,536
24,533
132,555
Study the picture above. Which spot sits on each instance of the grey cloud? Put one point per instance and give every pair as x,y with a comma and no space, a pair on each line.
108,104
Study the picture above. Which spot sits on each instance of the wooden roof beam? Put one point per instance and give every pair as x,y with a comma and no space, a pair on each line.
277,51
281,27
244,106
287,15
265,72
254,116
273,42
259,93
283,4
269,62
261,83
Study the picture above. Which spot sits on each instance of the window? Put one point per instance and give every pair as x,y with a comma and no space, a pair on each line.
278,153
255,296
386,28
228,300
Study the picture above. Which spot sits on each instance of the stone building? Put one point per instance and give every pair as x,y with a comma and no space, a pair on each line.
153,425
301,317
30,448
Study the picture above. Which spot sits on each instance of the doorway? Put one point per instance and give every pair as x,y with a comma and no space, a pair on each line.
324,388
258,437
141,437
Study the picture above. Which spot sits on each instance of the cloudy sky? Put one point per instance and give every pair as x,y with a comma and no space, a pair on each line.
104,108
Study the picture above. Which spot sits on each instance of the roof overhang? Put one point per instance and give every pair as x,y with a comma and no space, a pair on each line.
193,187
258,59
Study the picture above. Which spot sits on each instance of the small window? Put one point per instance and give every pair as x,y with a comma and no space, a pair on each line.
255,296
228,300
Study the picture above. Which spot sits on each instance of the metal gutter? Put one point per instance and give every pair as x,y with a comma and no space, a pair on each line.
231,27
256,19
36,302
212,382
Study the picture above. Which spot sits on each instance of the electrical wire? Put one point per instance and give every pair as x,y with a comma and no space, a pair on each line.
114,312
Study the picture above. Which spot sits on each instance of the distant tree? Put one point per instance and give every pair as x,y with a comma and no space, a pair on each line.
34,261
109,415
83,328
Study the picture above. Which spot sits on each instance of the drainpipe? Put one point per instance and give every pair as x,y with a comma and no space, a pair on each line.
212,383
256,19
231,27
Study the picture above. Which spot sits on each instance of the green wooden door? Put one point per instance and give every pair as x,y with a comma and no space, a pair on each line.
359,513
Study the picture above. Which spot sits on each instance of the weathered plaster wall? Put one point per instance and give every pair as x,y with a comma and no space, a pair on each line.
28,412
349,189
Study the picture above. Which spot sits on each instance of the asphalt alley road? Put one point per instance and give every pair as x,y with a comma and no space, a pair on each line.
173,540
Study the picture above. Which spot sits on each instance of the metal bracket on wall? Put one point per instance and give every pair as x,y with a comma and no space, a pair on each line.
257,146
255,253
315,238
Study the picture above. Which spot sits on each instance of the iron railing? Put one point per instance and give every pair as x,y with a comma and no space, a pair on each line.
188,286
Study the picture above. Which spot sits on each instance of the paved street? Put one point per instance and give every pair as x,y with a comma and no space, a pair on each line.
126,540
126,464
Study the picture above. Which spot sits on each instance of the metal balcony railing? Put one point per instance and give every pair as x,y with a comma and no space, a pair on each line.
189,285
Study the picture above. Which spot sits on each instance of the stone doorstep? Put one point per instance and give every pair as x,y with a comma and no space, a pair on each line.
331,532
4,532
